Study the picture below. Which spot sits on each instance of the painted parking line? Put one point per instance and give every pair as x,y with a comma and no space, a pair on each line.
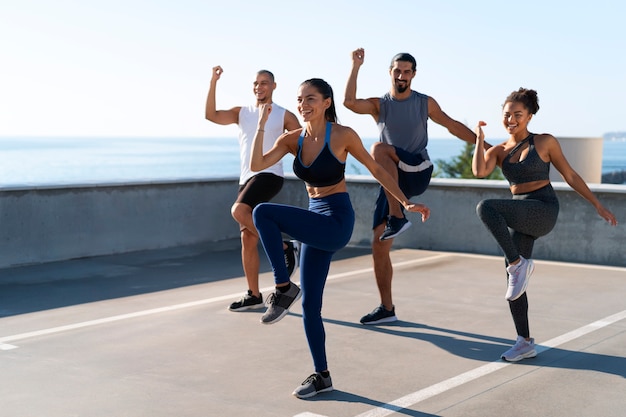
441,387
105,320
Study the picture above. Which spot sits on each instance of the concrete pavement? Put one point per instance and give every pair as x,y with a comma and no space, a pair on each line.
148,334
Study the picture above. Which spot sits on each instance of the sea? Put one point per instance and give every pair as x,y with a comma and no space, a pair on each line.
50,161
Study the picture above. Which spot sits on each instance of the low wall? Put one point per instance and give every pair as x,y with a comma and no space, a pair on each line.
44,224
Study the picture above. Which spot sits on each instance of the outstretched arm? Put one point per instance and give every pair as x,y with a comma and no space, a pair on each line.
574,179
355,148
221,117
359,106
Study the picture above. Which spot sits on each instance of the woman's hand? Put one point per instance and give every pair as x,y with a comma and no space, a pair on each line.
480,135
264,113
420,208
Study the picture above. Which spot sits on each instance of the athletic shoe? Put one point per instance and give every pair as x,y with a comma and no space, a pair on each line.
278,304
394,227
522,349
247,302
292,256
519,275
380,315
313,385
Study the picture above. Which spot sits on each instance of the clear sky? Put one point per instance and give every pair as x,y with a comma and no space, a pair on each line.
142,67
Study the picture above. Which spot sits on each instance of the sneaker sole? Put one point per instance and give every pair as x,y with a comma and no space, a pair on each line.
284,313
402,230
380,321
518,358
311,394
529,270
247,308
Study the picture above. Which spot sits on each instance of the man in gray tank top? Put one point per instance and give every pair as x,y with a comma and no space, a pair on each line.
402,115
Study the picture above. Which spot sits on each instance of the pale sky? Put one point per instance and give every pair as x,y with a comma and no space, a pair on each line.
142,67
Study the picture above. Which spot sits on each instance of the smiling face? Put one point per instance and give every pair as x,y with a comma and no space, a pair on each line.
401,75
263,88
311,103
515,117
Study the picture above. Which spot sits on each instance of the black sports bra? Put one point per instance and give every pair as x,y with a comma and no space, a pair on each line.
325,169
531,168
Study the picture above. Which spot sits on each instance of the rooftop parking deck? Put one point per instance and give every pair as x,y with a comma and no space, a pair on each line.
148,334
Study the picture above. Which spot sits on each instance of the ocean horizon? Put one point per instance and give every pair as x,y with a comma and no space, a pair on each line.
45,161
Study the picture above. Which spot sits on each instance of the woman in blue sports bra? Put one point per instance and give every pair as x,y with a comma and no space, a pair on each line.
525,160
320,148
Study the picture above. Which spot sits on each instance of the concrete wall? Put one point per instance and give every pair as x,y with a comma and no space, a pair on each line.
55,223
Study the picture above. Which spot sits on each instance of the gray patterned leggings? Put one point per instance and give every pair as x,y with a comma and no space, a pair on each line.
516,224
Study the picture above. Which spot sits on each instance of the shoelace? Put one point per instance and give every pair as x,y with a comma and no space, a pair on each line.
312,379
272,299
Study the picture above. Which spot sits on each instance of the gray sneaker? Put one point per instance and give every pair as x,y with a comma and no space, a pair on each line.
278,304
522,349
313,385
518,278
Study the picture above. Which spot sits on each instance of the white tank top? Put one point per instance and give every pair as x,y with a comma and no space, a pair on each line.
274,127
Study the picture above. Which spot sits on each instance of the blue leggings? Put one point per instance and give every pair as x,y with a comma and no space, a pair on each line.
323,229
516,224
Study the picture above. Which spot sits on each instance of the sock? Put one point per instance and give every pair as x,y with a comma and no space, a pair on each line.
325,374
284,289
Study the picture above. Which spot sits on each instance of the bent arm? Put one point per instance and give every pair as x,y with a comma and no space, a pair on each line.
455,127
355,148
221,117
359,106
258,160
483,162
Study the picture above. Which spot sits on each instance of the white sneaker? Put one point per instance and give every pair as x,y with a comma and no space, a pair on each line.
519,275
522,349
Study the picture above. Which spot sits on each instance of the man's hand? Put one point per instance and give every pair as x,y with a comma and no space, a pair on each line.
217,72
358,57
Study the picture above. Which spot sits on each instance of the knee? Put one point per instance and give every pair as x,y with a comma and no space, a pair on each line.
380,151
242,213
482,208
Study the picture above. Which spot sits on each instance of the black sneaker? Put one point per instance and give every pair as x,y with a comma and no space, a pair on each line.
380,315
313,385
247,302
292,256
394,227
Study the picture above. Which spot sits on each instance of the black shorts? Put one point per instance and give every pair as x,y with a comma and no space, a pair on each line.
260,189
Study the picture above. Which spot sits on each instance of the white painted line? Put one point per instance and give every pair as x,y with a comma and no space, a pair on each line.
441,387
105,320
6,346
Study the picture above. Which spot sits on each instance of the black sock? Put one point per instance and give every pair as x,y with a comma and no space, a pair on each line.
284,288
325,374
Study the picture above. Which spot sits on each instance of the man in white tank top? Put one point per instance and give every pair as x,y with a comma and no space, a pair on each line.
254,187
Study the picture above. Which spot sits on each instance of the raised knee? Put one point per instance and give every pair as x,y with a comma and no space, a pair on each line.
380,150
241,212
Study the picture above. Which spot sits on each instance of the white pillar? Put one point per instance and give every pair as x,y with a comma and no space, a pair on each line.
584,155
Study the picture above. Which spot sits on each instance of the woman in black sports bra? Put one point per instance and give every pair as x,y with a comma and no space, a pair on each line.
525,160
320,150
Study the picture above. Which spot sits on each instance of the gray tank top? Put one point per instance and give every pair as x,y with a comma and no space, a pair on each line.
404,123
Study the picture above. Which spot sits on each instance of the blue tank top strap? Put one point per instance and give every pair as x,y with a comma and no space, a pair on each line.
327,138
301,138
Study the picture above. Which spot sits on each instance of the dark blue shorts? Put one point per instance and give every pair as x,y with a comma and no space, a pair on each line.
414,173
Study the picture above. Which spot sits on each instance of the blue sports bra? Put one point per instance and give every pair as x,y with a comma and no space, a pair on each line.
325,169
531,168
